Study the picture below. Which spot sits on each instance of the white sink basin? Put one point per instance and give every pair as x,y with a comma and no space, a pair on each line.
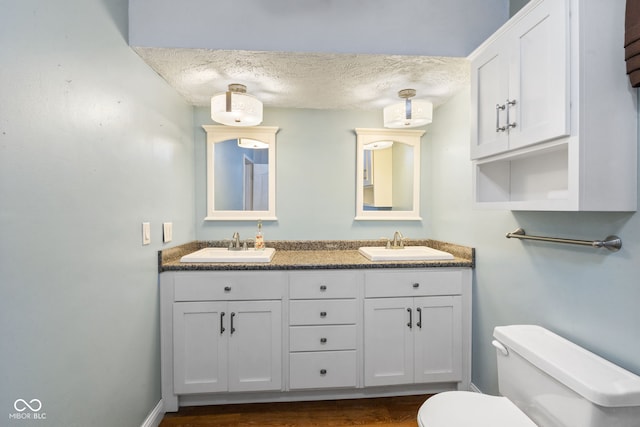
408,253
225,255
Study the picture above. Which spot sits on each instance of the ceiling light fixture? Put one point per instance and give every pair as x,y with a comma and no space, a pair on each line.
251,143
378,145
236,108
408,114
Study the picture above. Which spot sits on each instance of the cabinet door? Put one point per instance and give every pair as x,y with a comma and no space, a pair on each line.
255,345
539,75
489,89
438,339
199,347
388,341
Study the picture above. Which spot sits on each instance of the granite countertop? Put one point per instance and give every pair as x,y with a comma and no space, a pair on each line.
314,255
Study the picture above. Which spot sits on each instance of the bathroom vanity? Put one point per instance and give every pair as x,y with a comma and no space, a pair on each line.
318,321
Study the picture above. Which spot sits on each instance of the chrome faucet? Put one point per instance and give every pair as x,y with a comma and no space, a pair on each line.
234,245
398,241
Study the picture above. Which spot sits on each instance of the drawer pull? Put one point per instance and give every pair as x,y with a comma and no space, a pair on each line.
323,288
227,288
323,372
232,328
408,324
323,314
222,329
323,340
416,285
419,324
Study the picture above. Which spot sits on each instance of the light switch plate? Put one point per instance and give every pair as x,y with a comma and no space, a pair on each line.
146,233
167,231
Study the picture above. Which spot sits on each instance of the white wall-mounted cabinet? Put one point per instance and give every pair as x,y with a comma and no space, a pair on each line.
553,117
520,83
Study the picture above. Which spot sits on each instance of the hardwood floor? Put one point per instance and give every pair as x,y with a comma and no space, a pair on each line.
375,412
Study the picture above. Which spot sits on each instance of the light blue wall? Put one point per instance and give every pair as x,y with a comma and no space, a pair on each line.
402,27
589,296
92,143
315,180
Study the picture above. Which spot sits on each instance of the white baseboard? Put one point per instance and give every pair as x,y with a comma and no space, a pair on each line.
474,388
155,416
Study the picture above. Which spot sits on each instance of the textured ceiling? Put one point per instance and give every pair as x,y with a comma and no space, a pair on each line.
308,80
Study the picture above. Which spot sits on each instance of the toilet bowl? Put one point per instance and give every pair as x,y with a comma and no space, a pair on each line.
544,381
466,408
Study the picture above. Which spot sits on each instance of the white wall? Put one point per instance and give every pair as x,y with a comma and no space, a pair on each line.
589,296
92,143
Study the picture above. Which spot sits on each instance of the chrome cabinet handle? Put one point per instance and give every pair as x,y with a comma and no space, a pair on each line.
498,109
419,324
323,340
410,318
232,328
509,104
222,329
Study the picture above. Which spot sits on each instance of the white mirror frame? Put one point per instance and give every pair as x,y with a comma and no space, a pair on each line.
217,134
409,137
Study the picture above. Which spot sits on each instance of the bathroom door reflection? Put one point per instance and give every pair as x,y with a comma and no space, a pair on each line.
241,177
388,176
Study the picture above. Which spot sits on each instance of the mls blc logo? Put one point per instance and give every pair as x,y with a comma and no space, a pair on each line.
27,410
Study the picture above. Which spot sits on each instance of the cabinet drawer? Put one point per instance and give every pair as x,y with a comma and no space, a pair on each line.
322,369
413,283
323,312
322,338
310,285
227,286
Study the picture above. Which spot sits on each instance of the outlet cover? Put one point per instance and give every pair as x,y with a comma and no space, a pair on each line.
167,231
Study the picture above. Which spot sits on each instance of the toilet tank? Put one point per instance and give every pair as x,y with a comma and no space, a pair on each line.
560,384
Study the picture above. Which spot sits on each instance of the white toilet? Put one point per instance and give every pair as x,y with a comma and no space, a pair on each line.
546,381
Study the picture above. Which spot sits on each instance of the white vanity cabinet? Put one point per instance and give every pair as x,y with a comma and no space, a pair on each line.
416,330
553,116
275,335
222,332
324,313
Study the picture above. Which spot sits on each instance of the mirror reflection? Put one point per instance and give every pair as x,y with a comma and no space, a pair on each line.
389,170
240,173
387,181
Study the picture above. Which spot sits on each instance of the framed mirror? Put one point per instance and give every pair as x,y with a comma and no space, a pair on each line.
388,178
241,173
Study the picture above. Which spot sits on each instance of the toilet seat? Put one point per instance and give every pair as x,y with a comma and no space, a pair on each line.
466,408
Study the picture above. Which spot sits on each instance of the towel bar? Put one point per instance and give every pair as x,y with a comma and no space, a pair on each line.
613,243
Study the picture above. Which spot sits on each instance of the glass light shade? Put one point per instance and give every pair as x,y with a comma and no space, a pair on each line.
245,110
395,115
378,145
251,143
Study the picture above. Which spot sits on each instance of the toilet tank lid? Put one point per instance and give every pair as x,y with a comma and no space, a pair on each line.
586,373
